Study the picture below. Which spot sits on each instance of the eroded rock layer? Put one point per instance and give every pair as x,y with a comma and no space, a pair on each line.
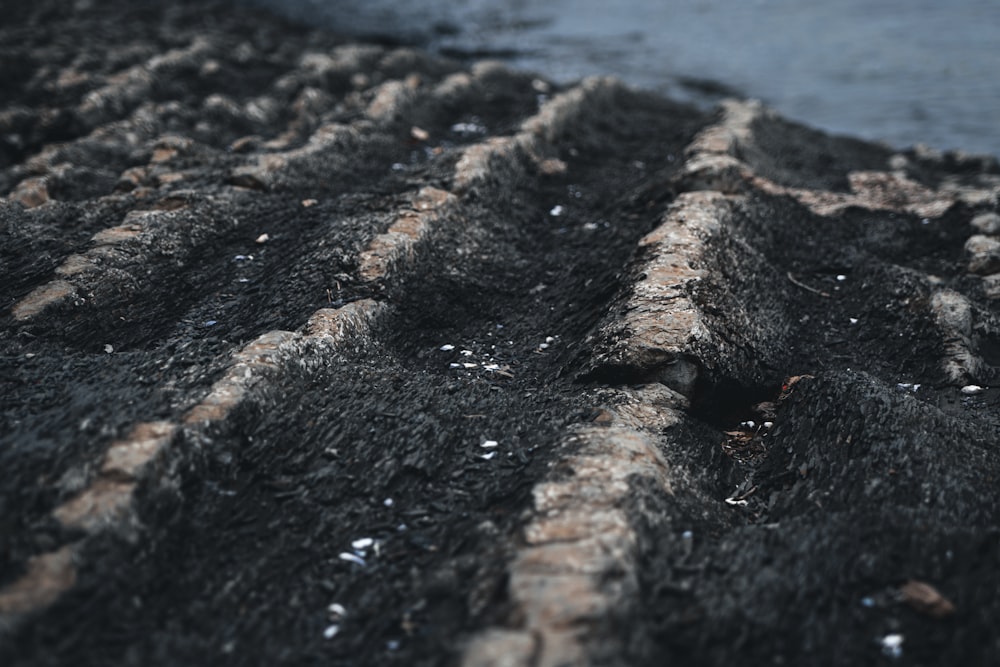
317,351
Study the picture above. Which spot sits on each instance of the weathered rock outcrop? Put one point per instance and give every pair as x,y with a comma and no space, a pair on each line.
317,351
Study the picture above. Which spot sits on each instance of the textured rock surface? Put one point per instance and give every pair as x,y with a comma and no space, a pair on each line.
340,353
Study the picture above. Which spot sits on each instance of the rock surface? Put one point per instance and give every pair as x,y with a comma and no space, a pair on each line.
328,352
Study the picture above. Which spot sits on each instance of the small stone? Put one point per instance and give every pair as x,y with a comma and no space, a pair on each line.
991,286
987,223
362,543
419,134
898,162
263,238
892,645
552,166
983,253
31,192
603,417
540,86
926,599
972,389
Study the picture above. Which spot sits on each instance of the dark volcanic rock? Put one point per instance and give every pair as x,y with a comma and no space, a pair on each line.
316,351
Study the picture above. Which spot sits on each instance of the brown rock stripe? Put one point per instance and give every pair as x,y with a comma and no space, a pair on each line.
577,570
538,133
49,575
724,157
397,245
78,270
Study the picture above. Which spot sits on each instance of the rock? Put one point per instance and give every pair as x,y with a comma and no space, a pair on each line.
987,223
983,254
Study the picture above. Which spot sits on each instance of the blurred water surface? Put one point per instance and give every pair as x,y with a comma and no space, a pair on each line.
901,71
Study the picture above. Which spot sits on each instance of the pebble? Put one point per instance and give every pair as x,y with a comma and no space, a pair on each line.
468,128
972,389
352,558
892,645
987,223
362,543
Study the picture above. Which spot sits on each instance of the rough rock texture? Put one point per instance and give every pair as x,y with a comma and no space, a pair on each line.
318,352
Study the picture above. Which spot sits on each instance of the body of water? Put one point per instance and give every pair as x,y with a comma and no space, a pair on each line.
904,72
